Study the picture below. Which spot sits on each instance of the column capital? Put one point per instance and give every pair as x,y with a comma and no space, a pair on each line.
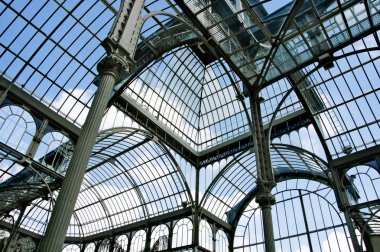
265,199
117,62
113,64
264,196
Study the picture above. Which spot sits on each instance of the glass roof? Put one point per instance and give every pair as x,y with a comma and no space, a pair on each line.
249,35
235,185
187,89
272,96
195,63
51,48
130,178
197,102
322,219
349,118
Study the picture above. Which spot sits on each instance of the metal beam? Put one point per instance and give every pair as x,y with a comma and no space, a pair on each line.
135,111
176,215
21,230
357,158
23,159
154,221
152,119
218,222
369,204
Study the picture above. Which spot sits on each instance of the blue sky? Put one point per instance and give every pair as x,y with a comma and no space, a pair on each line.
60,74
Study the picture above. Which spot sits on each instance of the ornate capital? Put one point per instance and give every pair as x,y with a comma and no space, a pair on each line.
264,196
113,64
117,61
265,199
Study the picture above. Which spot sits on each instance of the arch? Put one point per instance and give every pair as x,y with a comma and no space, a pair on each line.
235,185
90,247
363,193
125,183
205,235
365,185
131,172
55,151
182,233
171,23
221,243
71,248
145,56
121,244
305,216
138,241
138,186
18,123
159,238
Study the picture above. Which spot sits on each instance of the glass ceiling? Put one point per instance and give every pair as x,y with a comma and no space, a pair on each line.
235,185
197,102
50,49
188,89
349,118
193,65
249,35
130,178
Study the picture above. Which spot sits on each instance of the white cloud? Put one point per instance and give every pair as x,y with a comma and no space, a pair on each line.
67,105
336,241
115,118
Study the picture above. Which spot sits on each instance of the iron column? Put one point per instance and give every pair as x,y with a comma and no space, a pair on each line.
120,47
265,179
109,69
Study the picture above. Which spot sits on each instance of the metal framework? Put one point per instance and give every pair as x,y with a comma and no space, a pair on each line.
195,125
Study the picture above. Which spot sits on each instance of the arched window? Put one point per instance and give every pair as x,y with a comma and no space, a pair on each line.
25,244
90,247
104,246
365,184
55,151
221,241
138,241
17,128
121,243
363,191
71,248
305,218
182,233
205,235
159,238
